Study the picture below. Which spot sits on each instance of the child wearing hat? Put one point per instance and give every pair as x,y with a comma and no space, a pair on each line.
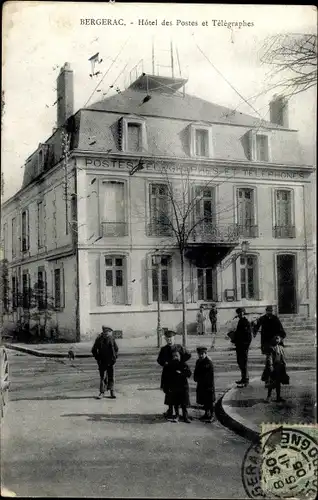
204,377
275,373
176,387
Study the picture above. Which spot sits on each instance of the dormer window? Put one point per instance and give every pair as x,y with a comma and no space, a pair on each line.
42,156
201,141
259,146
133,135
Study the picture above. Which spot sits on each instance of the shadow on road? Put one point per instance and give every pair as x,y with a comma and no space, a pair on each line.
123,418
51,398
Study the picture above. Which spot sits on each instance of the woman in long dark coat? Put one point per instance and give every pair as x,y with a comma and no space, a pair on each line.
175,385
204,377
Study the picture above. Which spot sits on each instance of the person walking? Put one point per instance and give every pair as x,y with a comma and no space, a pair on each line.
242,339
275,373
270,326
176,386
105,351
201,318
165,356
204,377
213,319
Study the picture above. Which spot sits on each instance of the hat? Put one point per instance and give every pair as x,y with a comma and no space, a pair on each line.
201,349
107,328
169,333
269,309
240,310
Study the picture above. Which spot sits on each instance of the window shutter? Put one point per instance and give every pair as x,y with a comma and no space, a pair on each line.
62,288
128,281
27,236
102,280
259,275
149,278
121,134
251,145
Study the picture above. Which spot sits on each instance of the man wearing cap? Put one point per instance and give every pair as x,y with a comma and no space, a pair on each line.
105,351
270,326
242,340
166,355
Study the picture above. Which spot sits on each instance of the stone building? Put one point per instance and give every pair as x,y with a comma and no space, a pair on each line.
97,197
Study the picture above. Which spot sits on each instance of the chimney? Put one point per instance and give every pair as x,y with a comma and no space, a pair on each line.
65,94
279,111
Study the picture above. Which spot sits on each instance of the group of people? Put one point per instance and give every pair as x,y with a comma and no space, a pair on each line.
272,346
201,321
174,380
176,372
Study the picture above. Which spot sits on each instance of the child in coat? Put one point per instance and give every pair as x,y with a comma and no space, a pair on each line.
204,377
176,387
275,373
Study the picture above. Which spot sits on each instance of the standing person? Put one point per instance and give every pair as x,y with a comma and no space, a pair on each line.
105,351
275,373
204,377
242,340
176,387
201,317
165,355
270,326
213,318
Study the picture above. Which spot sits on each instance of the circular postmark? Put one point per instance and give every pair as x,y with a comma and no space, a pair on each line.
282,464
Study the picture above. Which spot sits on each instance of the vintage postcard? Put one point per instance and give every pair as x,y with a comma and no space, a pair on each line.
158,250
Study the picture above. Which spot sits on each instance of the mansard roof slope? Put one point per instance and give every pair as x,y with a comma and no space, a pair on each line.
177,106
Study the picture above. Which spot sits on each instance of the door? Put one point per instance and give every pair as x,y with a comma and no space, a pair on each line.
286,284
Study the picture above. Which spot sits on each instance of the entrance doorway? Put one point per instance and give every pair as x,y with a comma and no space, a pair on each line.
286,284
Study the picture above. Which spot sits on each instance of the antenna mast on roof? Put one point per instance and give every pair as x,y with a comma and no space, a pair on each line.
153,56
172,63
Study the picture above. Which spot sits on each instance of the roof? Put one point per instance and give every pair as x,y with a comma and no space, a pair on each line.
176,106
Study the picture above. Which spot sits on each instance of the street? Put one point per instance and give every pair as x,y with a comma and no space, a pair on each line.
59,440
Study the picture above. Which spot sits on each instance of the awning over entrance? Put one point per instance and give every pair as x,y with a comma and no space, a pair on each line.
208,254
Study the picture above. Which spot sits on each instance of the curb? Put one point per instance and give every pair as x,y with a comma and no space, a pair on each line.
42,354
227,418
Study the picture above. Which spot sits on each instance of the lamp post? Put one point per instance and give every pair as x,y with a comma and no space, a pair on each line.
156,260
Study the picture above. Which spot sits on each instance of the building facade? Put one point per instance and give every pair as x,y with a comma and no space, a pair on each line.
129,178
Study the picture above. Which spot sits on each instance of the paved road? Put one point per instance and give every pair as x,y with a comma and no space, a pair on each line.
58,440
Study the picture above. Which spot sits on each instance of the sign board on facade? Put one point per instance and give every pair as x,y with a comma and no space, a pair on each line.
197,169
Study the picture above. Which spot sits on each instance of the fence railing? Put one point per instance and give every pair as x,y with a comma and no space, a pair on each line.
115,229
284,232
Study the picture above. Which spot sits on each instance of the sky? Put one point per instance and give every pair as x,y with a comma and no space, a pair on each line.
39,37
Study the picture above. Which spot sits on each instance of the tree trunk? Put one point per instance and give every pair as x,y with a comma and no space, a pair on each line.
184,303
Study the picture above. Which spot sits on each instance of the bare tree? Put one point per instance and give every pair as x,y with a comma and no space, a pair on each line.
294,61
181,217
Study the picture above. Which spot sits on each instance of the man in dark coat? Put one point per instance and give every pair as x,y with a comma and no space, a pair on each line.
165,356
105,351
204,377
271,327
242,340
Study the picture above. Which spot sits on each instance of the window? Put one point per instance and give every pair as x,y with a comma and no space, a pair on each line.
25,230
201,141
246,212
159,203
115,279
26,290
205,218
14,291
165,281
206,278
259,145
58,287
14,237
113,209
40,224
133,134
41,289
248,276
134,141
284,227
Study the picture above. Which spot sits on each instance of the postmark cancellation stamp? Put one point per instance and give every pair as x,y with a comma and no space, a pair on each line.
283,463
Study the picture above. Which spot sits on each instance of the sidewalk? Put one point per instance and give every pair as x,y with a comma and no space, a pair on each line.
244,409
139,345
